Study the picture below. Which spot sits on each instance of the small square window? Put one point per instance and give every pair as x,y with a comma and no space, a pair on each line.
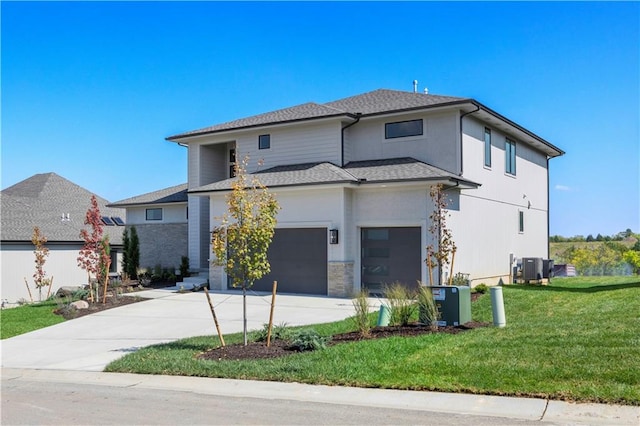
154,214
264,141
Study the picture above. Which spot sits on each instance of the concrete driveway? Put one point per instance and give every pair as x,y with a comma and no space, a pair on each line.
89,343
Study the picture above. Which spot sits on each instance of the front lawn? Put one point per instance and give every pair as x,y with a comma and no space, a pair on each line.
26,318
576,339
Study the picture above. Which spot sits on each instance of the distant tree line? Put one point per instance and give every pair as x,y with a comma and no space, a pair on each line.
611,257
620,236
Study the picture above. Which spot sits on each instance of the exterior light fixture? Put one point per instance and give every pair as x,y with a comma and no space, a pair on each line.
333,236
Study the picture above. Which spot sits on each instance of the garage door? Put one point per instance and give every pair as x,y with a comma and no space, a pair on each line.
298,259
390,255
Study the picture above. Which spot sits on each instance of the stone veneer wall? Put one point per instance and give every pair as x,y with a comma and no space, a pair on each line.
163,244
215,278
340,277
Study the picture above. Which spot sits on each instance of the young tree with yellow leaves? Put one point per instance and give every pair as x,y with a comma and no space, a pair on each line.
241,241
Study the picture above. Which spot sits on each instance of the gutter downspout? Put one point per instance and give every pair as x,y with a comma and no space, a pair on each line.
548,213
358,115
461,136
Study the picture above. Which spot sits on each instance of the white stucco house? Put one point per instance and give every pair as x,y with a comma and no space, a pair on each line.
58,207
160,219
353,177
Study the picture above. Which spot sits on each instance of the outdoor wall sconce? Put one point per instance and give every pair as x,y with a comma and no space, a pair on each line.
333,236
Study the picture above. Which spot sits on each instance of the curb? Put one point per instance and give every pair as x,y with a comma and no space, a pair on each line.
481,405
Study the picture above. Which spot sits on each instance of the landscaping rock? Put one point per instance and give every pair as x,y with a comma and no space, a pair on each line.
68,290
80,304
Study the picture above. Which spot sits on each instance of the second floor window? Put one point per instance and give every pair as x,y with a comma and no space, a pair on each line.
264,141
154,214
510,157
401,129
232,162
487,147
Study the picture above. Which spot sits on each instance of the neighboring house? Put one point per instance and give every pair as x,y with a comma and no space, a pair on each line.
160,219
58,207
353,177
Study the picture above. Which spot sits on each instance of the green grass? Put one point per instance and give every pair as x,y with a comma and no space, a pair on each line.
26,318
575,339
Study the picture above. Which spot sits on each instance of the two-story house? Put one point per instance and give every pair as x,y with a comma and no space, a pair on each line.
353,177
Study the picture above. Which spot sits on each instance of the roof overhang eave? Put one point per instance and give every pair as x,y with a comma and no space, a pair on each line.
517,130
447,181
180,138
204,192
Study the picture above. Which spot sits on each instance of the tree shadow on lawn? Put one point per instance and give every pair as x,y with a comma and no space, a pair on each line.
592,289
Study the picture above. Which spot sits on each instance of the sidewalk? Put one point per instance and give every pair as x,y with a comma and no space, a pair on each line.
557,412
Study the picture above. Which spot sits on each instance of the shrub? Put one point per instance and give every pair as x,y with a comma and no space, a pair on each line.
278,332
401,304
361,319
308,339
480,288
427,309
184,266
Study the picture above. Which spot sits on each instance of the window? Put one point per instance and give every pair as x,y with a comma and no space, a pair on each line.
487,147
510,153
154,214
232,162
402,129
264,141
521,221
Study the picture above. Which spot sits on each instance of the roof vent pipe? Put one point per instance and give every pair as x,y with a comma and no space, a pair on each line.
426,90
415,86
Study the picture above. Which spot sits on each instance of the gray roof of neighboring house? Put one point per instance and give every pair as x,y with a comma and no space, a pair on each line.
358,172
371,103
174,194
41,200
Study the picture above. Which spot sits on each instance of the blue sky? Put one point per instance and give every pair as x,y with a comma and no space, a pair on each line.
91,90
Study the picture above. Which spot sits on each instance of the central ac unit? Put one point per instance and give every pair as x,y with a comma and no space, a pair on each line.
532,268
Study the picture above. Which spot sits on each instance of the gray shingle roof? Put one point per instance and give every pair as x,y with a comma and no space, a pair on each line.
41,200
370,103
359,172
398,169
384,100
300,112
174,194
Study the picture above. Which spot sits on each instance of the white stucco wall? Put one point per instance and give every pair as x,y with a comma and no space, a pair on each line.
17,263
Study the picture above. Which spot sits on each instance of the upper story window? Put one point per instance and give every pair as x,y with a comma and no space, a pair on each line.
401,129
154,214
264,141
510,157
487,147
232,162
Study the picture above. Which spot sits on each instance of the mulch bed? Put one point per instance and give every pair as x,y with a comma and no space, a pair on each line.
111,302
278,348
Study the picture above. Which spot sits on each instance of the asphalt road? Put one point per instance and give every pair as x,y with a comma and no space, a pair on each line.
35,402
